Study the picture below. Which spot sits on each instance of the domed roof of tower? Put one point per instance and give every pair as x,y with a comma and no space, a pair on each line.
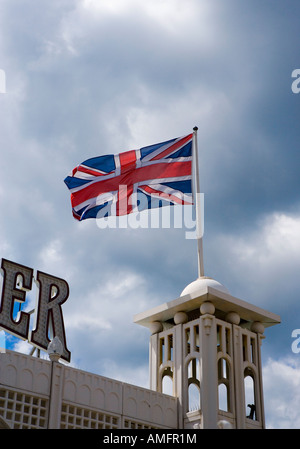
201,283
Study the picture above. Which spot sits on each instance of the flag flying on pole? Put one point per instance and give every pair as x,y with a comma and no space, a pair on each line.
153,176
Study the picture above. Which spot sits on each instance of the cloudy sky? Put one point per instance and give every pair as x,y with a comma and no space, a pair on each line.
91,77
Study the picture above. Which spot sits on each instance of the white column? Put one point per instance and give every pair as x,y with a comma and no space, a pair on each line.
180,388
261,392
155,328
55,397
238,377
209,375
258,328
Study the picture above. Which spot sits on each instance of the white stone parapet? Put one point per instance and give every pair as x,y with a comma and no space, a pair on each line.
37,393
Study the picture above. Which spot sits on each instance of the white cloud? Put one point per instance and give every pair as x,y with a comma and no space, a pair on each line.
171,14
263,262
275,242
282,393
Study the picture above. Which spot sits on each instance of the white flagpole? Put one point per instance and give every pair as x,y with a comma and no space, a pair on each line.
198,205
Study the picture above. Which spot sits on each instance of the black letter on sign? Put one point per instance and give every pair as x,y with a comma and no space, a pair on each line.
17,279
53,292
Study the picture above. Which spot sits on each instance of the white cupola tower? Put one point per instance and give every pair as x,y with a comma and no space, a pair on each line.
205,349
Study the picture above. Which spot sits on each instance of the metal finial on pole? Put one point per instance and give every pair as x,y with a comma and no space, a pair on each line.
198,205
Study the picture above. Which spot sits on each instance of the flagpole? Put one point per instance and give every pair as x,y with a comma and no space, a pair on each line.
198,205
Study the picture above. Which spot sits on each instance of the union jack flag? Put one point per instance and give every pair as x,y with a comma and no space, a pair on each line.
152,176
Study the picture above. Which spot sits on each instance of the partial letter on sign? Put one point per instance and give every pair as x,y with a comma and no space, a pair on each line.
53,292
